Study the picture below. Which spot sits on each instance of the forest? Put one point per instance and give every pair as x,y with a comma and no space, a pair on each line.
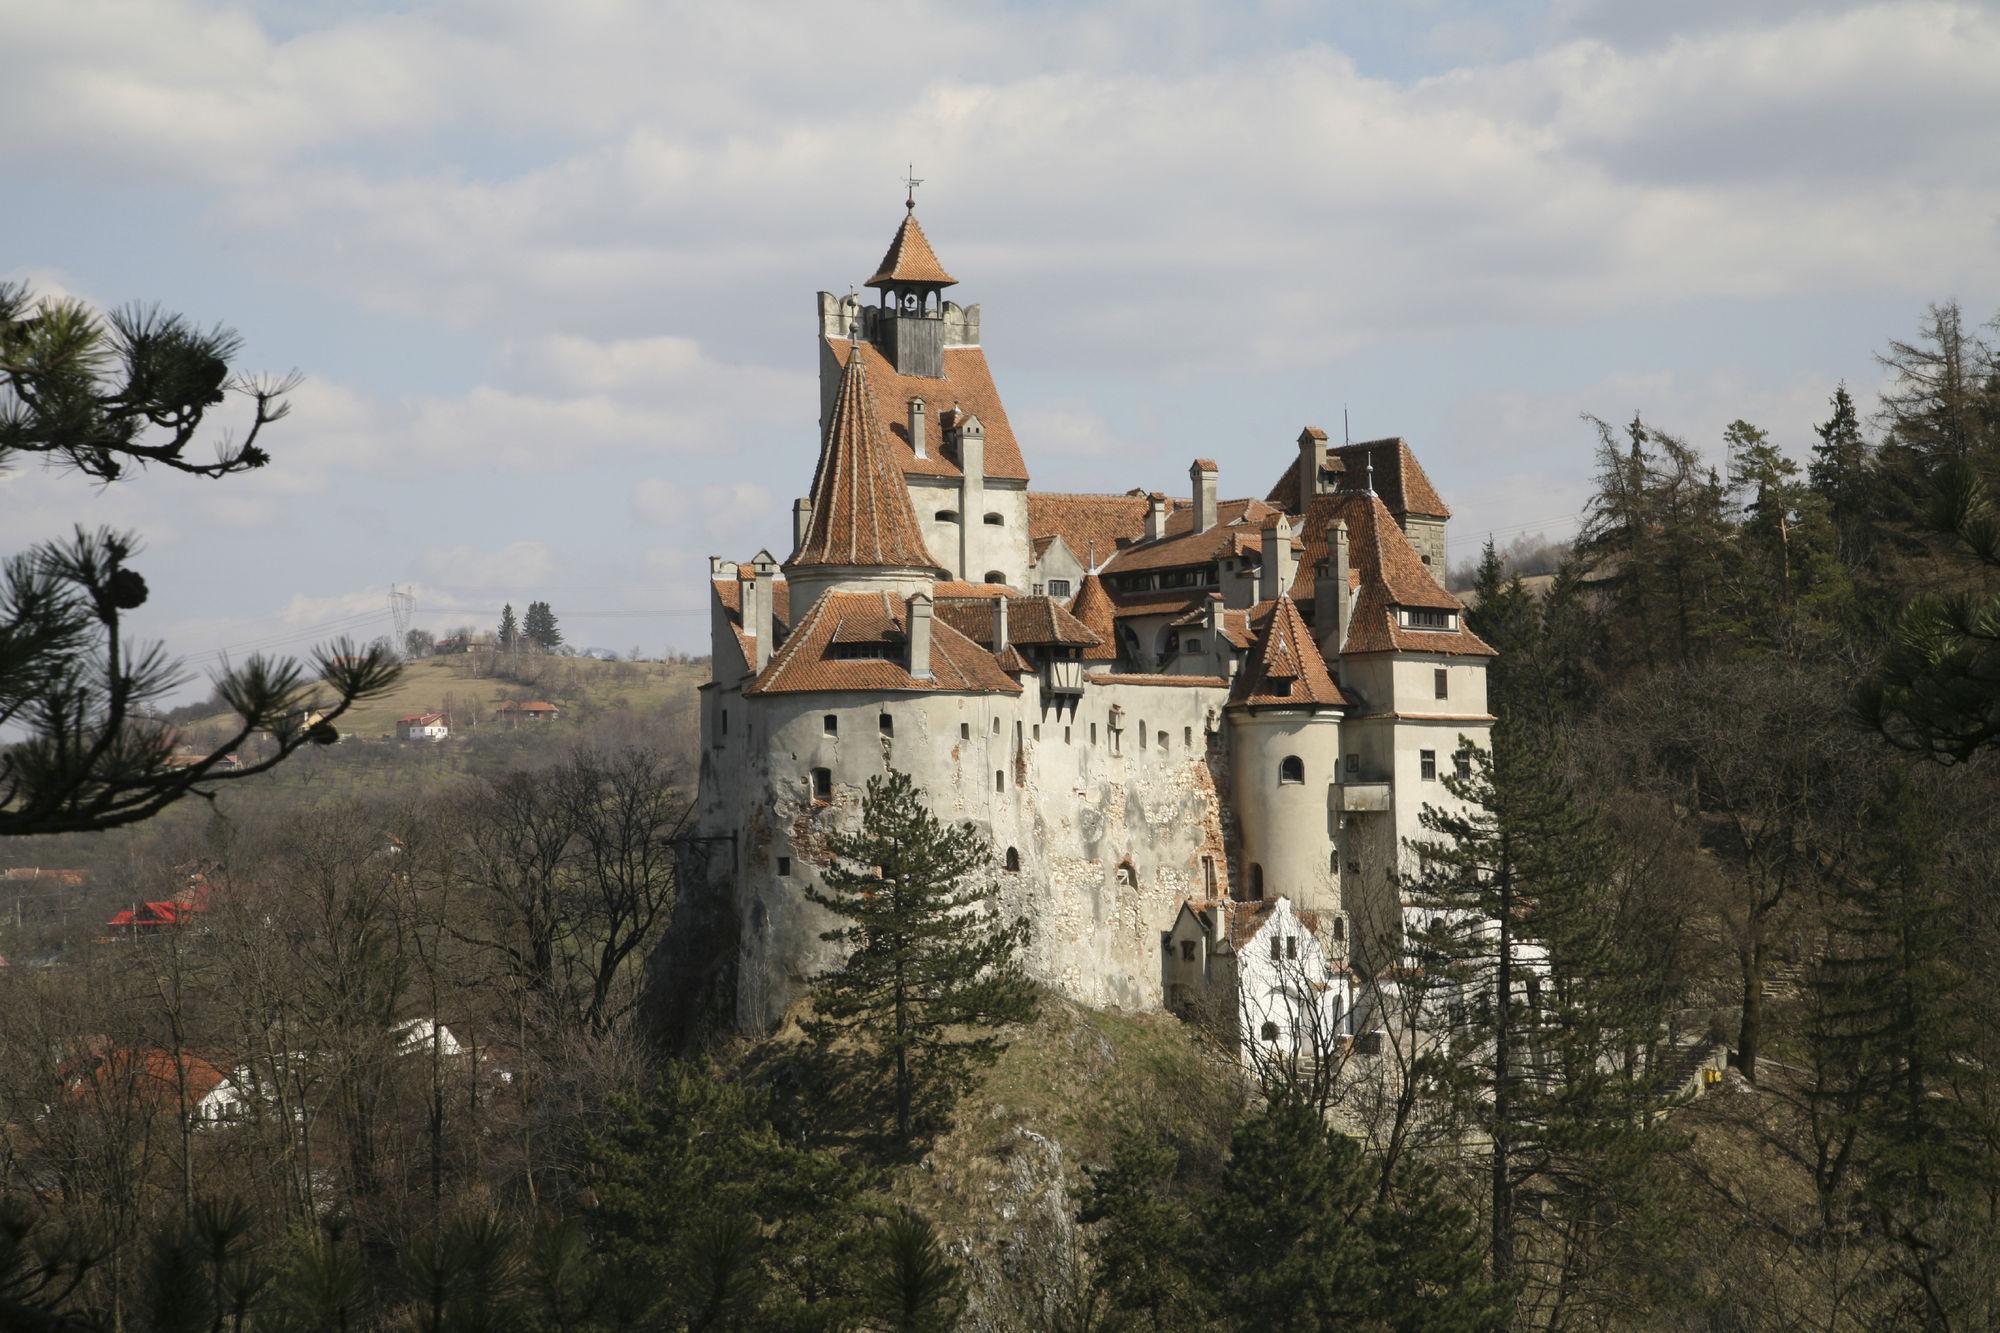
420,1057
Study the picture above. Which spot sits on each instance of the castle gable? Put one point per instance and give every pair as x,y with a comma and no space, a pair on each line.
856,641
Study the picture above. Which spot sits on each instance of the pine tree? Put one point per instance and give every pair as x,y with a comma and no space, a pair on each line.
540,627
1551,1048
1840,474
509,635
931,971
1143,1238
915,1287
1786,539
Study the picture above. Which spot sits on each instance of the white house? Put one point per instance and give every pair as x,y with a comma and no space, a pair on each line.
423,727
1260,974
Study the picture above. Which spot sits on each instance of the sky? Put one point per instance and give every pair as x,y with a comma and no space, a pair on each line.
548,271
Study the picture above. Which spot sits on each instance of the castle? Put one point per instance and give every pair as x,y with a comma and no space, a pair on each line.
1169,713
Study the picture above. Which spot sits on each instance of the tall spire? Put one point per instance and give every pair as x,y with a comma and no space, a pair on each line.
909,261
861,514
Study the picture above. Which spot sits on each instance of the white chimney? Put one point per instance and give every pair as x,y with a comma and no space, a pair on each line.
1277,571
1156,516
918,443
920,636
802,517
1331,604
1203,476
1312,461
999,624
760,621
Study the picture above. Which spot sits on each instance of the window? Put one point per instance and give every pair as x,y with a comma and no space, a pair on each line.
1427,760
1441,678
822,780
1191,645
996,726
1142,733
887,724
1353,867
1066,736
1291,946
1461,763
1354,768
999,779
947,516
1270,1031
1340,928
830,725
785,866
1038,731
1423,617
1256,883
995,521
1187,951
1291,769
995,576
965,731
1275,954
1128,875
1187,737
1012,861
1058,587
1208,874
1161,739
1093,733
725,721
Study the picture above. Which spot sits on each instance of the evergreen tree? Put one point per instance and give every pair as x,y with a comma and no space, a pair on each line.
1840,474
1143,1238
1943,402
931,971
1551,1049
509,634
540,627
1786,539
914,1286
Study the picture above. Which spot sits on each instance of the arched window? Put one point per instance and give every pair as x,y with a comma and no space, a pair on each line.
995,521
1270,1031
1291,769
822,785
946,516
1013,861
1256,882
995,576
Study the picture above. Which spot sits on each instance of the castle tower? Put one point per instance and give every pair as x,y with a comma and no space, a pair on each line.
910,326
861,533
1285,713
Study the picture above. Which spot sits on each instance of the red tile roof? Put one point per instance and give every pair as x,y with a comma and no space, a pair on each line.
1238,530
861,507
808,660
729,591
1386,572
1285,667
1236,625
1092,608
419,719
910,258
1157,678
1092,526
1033,621
967,384
1399,478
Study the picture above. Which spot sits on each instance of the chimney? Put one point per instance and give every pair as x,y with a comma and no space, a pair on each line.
1217,617
970,437
759,618
1156,516
1330,613
920,636
802,517
1312,461
918,443
1277,574
1203,476
1000,624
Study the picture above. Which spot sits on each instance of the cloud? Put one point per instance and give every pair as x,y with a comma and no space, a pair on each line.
524,565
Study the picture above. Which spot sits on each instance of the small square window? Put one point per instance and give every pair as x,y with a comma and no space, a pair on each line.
1275,954
1441,678
1187,951
785,866
965,731
887,724
1462,763
1291,946
1162,739
1427,761
830,725
822,785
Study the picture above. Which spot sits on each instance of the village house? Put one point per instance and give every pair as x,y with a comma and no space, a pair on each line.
423,727
532,713
1155,707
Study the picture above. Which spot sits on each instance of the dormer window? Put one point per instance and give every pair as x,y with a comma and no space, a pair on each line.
1424,617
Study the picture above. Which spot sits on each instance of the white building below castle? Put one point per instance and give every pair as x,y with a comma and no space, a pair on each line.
1164,711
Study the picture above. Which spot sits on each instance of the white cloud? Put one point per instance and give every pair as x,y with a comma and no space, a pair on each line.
525,565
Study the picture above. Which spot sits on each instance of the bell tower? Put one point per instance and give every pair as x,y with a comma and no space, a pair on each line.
909,328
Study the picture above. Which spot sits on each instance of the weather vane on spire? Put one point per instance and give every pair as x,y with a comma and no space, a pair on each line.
910,183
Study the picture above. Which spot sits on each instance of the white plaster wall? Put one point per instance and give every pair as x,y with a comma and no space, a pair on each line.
1286,827
1414,687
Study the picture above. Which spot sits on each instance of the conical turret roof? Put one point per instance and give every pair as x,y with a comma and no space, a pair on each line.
1285,665
911,259
861,514
1093,607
